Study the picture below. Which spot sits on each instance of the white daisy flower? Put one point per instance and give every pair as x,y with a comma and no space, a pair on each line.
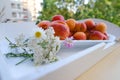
39,33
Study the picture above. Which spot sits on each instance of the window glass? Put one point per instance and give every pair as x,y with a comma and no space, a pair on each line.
14,14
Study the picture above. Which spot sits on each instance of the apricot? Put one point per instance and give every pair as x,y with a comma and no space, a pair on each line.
79,36
83,27
61,30
87,34
80,27
58,17
77,27
102,27
96,35
90,23
59,21
105,36
44,24
71,24
71,34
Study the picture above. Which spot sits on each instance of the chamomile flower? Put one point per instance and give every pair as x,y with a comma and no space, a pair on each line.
50,33
39,33
38,55
20,39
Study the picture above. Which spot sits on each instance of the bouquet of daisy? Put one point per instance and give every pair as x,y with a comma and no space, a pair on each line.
41,47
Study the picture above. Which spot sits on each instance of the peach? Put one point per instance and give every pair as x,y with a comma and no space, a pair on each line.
83,27
71,24
44,24
58,17
77,26
90,23
79,36
105,36
71,34
61,30
102,27
59,21
87,34
80,27
96,35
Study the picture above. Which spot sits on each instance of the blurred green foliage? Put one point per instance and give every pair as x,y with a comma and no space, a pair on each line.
77,9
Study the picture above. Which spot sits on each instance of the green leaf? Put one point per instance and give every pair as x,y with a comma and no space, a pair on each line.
43,44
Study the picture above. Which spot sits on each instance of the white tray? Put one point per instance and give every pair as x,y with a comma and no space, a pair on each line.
60,70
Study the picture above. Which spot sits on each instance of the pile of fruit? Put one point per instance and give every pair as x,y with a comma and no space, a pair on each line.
86,30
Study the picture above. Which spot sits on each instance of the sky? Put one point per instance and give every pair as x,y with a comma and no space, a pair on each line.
86,1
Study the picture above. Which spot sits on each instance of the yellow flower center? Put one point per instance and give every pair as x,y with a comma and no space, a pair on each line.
38,34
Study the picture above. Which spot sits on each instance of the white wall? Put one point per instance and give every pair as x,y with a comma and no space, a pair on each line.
7,10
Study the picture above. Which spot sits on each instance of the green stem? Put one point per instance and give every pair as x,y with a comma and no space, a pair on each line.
25,50
26,55
8,40
21,61
12,45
